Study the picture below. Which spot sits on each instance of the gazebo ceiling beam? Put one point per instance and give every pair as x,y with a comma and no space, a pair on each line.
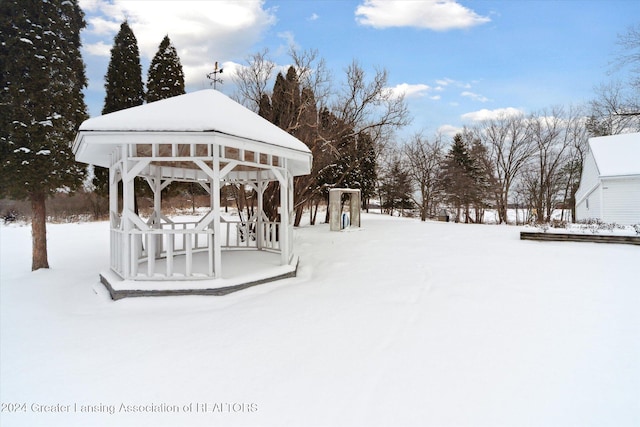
205,168
137,168
228,168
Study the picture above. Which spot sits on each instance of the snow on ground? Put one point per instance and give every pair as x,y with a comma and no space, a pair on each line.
402,323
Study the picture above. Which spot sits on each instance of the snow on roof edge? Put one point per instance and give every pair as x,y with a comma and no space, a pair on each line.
616,155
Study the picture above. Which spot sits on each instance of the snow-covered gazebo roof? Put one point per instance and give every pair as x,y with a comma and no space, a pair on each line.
198,117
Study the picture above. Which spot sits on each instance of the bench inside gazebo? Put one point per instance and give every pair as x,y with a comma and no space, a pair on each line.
206,138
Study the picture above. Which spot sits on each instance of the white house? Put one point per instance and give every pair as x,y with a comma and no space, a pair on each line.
610,184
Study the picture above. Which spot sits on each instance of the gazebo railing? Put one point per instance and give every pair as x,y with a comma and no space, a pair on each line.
237,234
169,253
167,250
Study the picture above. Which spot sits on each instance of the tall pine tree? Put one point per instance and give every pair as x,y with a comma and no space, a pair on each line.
165,77
124,88
42,105
123,82
459,177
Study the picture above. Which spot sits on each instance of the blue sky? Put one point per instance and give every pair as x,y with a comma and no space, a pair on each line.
457,61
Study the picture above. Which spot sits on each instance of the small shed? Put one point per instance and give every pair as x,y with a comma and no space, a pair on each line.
610,183
202,137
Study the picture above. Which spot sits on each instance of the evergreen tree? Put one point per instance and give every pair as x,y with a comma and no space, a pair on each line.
165,77
123,82
42,105
483,178
396,188
124,88
285,101
459,177
366,170
264,108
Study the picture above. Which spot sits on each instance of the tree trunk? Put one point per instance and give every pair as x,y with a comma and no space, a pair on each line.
299,212
315,212
39,257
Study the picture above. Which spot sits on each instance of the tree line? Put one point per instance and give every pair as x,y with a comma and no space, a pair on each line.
533,161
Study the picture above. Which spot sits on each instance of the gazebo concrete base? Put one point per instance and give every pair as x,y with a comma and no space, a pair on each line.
263,266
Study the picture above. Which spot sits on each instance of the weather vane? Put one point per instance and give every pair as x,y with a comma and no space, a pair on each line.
215,73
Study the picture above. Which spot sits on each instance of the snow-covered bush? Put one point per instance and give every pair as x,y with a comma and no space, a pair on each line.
591,225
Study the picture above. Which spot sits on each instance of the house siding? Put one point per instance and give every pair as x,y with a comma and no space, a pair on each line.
621,200
590,207
587,198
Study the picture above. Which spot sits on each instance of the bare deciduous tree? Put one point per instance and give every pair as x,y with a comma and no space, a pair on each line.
365,105
510,148
548,133
578,136
423,159
629,43
614,110
252,79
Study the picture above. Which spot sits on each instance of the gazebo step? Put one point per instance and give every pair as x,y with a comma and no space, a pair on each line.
119,288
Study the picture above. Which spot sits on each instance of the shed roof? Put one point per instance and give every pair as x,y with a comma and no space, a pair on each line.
199,114
616,155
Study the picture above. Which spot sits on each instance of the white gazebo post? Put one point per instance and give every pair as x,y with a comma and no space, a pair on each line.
284,218
260,187
115,220
127,201
215,191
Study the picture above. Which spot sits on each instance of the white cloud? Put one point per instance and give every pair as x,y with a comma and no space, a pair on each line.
99,49
449,130
438,15
445,82
89,5
435,97
314,17
103,26
409,90
474,96
484,114
202,32
288,38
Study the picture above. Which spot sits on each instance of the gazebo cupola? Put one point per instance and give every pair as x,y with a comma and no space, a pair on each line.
202,137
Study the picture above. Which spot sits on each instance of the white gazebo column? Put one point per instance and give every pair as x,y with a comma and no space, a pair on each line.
128,201
116,238
156,187
260,187
215,206
133,241
285,207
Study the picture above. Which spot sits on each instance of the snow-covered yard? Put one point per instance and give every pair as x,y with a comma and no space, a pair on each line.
402,323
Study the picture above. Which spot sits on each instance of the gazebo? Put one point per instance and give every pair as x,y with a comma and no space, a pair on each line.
202,137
